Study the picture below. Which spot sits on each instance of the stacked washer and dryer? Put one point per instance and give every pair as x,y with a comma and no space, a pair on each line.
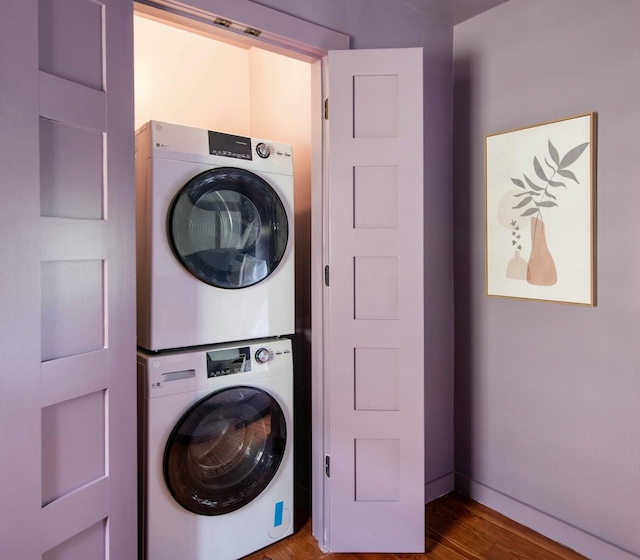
215,295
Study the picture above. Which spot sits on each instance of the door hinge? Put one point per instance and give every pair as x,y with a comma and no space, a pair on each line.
326,109
326,275
327,466
223,22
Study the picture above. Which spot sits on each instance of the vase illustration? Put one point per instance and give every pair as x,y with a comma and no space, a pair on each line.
517,267
541,270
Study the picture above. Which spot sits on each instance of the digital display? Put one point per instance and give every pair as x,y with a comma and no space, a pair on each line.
229,145
228,362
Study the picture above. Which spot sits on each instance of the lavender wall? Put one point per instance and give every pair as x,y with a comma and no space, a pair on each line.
547,413
378,24
371,24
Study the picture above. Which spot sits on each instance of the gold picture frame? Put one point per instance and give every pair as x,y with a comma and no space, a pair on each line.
540,198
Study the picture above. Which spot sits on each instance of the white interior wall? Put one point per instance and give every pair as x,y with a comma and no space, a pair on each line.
189,79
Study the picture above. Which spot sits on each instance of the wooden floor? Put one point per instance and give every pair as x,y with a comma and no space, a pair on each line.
457,529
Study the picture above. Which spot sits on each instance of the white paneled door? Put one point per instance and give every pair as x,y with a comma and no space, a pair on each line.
374,359
68,396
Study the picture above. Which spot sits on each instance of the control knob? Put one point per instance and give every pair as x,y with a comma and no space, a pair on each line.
263,150
262,355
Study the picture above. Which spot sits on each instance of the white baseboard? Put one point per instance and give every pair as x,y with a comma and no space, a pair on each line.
439,487
559,531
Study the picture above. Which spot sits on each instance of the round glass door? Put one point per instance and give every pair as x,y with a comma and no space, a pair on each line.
228,228
225,450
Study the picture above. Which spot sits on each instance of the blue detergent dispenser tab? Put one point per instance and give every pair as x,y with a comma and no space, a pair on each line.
277,518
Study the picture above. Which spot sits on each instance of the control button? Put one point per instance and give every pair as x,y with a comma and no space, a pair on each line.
263,355
263,150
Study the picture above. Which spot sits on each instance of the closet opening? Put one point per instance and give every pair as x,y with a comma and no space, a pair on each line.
216,77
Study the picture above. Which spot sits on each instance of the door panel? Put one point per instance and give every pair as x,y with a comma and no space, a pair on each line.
374,359
71,378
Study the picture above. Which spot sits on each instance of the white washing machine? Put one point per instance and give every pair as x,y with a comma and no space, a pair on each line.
216,460
214,237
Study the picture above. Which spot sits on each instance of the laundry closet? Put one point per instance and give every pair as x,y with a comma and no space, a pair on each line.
193,78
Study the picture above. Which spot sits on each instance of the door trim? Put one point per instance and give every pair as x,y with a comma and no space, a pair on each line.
245,24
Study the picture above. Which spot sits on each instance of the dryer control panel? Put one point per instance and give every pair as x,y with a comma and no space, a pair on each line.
228,145
184,143
241,147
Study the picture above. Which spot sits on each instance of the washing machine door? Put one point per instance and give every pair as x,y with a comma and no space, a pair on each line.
228,227
225,450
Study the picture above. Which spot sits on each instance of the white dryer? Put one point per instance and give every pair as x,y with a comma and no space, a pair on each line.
216,460
214,237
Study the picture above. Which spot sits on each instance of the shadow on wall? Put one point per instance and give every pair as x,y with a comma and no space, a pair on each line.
302,366
463,138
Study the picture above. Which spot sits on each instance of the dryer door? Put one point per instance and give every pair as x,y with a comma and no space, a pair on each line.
225,450
228,227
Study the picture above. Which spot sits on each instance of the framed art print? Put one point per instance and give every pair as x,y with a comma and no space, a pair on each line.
540,211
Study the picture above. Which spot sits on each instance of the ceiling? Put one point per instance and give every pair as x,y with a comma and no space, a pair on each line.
452,11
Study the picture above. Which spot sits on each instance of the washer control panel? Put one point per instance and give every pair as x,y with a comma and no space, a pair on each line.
263,355
181,371
240,359
228,361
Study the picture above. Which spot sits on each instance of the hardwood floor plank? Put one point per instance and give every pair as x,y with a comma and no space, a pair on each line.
522,532
457,529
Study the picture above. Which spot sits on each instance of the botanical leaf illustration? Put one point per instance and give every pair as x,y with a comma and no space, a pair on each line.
554,154
549,165
568,174
573,155
556,184
523,202
538,169
529,212
532,184
537,197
